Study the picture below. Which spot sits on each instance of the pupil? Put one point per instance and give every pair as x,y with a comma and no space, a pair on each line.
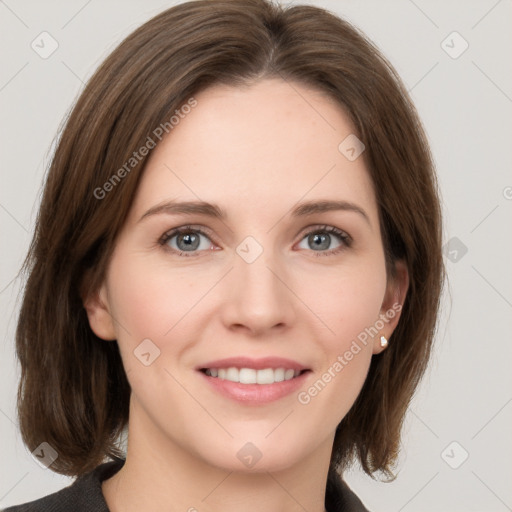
320,241
191,241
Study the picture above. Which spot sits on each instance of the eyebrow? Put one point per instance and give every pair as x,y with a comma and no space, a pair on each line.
211,210
186,208
312,207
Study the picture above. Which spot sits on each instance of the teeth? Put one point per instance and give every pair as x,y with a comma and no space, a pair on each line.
246,376
252,376
266,376
279,374
289,374
232,374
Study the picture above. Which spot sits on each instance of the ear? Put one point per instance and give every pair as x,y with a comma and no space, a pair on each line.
392,305
98,311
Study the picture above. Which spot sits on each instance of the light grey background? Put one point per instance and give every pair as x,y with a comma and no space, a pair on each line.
466,106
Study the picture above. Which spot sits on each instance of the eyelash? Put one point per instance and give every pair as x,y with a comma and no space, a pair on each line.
344,238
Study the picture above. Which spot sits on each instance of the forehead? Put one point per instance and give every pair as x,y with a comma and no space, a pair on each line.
274,142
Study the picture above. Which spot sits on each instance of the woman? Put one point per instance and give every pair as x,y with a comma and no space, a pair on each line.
238,258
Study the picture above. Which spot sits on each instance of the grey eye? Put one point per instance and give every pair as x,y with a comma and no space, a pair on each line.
320,241
189,241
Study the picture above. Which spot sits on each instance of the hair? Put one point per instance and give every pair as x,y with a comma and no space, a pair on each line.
73,391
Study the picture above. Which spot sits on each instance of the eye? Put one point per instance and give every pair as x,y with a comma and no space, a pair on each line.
321,239
186,239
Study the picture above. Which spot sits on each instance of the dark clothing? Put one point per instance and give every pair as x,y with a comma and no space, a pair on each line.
85,495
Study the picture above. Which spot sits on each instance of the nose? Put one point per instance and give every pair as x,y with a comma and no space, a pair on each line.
258,298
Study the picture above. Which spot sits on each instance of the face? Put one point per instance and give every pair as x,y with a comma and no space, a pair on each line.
283,267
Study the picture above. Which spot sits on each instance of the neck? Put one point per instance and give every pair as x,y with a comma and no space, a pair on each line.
160,474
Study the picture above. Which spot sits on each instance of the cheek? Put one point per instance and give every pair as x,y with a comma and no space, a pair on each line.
150,301
349,307
348,302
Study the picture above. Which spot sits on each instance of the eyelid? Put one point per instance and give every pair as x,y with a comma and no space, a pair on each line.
345,239
188,227
171,233
327,228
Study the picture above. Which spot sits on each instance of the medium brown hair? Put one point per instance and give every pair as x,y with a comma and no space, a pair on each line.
73,392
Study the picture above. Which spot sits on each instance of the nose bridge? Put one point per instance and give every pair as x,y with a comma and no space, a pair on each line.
259,277
259,298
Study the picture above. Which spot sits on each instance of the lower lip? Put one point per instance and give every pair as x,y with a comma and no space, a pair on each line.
256,394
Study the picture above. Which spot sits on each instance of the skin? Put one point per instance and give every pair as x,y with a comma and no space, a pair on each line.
256,152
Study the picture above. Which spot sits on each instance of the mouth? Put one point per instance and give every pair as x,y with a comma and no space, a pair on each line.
254,381
263,377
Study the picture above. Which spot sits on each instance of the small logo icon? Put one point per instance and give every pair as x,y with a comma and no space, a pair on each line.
146,352
44,45
454,455
351,147
454,45
249,249
249,455
455,249
45,455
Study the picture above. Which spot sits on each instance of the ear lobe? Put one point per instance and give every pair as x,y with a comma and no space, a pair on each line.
97,307
392,304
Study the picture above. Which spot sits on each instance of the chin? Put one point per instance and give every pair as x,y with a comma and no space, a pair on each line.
256,455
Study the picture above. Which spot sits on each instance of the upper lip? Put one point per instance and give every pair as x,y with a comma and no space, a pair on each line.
256,364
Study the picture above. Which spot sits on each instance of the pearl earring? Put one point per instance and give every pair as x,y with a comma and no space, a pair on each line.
383,342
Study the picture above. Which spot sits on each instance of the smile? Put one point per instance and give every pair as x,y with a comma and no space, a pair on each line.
251,376
254,381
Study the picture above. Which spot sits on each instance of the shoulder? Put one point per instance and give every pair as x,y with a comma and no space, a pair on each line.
339,497
83,495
